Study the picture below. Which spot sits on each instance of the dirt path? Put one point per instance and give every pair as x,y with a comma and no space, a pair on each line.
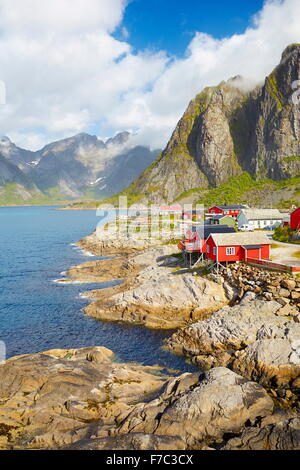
285,253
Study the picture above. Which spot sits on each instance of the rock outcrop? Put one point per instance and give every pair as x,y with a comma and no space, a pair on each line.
163,301
226,130
249,338
102,242
58,397
82,399
201,410
156,292
278,432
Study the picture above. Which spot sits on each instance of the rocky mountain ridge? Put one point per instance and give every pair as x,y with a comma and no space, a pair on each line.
76,167
227,130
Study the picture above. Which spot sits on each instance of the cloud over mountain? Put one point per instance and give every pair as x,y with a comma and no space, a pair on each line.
65,72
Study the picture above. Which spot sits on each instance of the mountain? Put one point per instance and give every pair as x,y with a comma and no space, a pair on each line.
23,159
81,166
228,131
15,186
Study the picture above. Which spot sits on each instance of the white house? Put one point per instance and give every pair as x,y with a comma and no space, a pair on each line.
261,218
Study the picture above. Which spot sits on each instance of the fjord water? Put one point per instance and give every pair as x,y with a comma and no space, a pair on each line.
37,314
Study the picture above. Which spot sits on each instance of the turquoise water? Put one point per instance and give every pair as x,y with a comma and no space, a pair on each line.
36,313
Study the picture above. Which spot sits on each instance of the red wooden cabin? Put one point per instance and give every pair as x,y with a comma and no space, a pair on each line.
232,210
295,219
237,247
197,235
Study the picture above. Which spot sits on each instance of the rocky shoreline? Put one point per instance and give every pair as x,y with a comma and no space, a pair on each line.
241,328
83,399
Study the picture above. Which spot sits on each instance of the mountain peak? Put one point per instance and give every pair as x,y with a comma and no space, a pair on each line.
118,139
290,50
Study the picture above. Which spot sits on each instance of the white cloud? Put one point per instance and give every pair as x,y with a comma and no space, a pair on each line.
64,71
208,61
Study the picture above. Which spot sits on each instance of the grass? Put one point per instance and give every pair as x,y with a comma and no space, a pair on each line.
293,158
232,191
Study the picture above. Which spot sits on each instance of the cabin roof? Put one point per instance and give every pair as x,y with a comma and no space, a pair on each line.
221,216
238,238
204,231
263,214
231,207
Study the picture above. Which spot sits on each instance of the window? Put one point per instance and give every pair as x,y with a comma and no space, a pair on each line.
208,249
215,251
230,251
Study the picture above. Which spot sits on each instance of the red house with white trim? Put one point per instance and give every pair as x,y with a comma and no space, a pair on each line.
295,219
232,210
230,247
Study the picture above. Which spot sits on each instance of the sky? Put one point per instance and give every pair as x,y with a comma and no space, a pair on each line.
103,66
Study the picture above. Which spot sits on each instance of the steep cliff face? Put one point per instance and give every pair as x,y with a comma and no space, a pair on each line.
226,130
275,145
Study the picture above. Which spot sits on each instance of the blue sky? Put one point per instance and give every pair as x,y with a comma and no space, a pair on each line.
171,24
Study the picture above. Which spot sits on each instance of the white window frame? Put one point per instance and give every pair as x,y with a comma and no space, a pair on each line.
215,251
230,251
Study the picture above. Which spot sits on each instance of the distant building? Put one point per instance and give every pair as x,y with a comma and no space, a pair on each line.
192,215
175,211
232,210
223,220
295,219
261,218
228,247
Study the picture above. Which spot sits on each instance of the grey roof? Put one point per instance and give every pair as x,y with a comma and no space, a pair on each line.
221,216
239,238
204,231
232,207
263,214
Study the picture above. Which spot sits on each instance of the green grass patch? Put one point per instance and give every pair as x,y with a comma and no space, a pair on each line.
293,158
232,191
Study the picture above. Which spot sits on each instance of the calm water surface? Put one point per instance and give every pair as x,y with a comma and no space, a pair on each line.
36,313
